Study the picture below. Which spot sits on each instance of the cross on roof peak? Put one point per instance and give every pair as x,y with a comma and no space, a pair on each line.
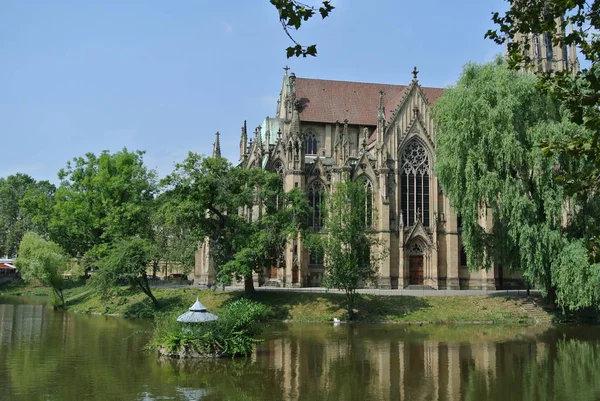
415,72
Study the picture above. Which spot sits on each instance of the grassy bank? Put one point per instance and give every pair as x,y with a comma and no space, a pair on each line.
293,306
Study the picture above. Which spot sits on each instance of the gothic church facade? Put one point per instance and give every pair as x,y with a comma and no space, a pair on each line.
384,136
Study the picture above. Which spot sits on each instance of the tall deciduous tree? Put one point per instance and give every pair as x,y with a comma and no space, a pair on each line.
579,92
44,261
207,196
263,240
25,205
350,246
102,199
489,127
126,260
173,243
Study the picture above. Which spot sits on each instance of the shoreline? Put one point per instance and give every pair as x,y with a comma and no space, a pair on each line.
297,307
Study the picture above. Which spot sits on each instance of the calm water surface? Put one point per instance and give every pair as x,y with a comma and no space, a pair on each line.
47,355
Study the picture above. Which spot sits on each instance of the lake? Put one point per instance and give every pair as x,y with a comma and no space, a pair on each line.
48,355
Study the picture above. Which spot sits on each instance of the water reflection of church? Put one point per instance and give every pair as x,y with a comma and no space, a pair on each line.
382,135
386,369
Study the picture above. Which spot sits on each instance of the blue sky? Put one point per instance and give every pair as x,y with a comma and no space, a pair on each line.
164,76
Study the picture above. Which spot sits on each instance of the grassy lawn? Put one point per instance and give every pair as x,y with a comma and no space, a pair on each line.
293,306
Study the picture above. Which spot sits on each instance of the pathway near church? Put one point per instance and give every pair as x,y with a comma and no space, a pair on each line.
376,291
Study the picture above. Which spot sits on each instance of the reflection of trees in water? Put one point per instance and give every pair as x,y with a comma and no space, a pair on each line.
562,370
75,357
222,379
20,322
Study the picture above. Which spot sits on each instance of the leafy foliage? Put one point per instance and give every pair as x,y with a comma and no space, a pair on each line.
352,250
292,14
263,244
206,196
102,199
173,243
25,205
489,162
579,92
126,260
44,261
232,335
577,281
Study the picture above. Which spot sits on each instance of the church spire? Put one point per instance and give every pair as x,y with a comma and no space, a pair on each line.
243,141
381,114
217,146
380,119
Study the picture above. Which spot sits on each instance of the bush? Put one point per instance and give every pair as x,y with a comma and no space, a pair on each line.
232,335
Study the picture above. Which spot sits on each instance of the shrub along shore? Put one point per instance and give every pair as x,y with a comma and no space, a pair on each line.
291,306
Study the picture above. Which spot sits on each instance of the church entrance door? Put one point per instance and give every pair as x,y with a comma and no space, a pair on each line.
415,269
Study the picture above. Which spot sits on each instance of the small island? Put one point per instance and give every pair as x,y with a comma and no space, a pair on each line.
201,334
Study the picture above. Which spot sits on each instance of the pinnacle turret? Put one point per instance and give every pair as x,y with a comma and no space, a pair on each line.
217,146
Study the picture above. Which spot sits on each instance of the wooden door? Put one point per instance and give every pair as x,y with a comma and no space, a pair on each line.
415,266
273,272
295,274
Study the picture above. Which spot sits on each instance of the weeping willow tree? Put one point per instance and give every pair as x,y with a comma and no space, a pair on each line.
489,162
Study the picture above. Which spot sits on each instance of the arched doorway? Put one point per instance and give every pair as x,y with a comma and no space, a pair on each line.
415,264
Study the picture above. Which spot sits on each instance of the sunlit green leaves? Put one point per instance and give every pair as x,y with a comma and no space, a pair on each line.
44,261
579,92
292,14
490,163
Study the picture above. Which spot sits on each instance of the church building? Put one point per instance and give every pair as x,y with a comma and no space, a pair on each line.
384,136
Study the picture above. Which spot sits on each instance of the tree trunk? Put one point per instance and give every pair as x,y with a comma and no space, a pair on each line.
249,284
350,303
143,283
61,297
154,268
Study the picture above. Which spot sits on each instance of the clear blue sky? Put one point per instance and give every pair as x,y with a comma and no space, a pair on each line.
164,76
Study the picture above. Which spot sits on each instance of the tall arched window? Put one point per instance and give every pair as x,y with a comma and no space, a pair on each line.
414,184
549,48
316,194
278,168
311,143
368,207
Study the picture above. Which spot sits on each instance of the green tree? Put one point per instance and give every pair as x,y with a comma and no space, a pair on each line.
488,160
207,196
173,242
24,206
350,245
292,14
44,261
263,241
126,260
102,199
579,92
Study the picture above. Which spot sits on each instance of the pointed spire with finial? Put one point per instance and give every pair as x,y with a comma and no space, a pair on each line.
380,119
217,146
244,141
267,132
381,114
415,72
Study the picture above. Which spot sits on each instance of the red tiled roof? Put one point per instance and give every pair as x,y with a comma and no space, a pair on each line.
6,266
331,101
